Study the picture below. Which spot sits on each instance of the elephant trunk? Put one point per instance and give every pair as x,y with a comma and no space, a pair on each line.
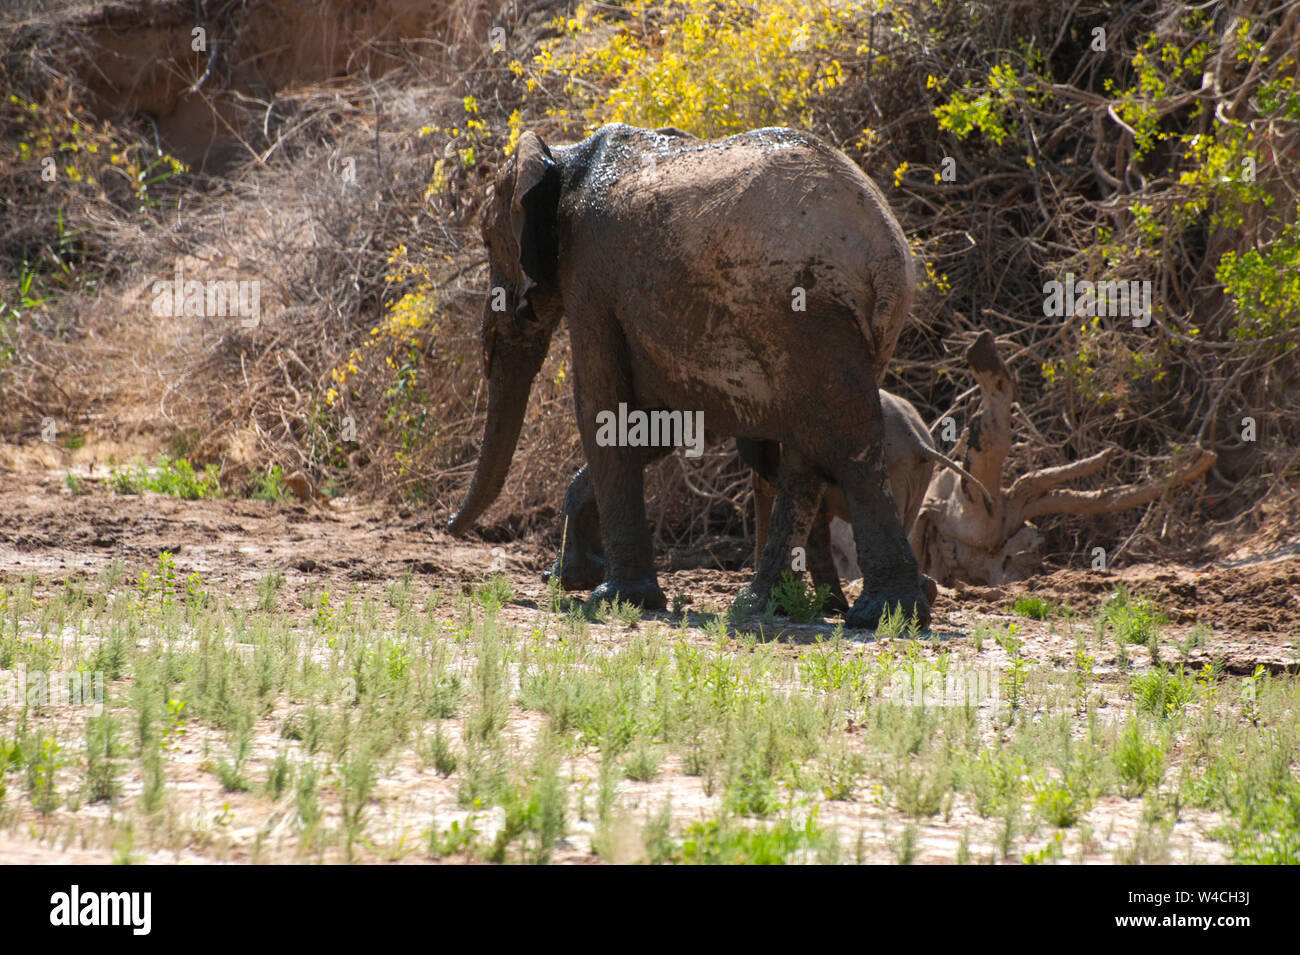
510,382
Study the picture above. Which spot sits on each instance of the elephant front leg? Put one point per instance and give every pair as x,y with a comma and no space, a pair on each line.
602,378
890,576
629,556
580,564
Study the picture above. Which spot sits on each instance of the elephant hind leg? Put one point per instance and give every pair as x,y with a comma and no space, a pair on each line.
764,494
764,460
820,563
890,575
798,493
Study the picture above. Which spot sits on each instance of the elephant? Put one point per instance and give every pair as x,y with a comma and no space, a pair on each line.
910,458
758,281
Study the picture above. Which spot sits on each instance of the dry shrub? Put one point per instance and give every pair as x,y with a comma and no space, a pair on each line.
1026,207
1104,172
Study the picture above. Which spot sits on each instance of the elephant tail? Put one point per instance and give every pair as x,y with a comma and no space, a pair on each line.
940,458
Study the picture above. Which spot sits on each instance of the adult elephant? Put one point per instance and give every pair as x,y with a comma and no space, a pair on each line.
760,280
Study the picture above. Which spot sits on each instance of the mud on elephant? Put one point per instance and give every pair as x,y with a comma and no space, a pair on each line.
759,279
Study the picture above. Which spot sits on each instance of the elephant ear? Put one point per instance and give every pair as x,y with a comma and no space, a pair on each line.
532,212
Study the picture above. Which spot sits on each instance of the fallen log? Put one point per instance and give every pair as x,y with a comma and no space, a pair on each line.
959,534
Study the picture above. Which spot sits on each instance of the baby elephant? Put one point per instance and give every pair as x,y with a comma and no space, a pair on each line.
910,457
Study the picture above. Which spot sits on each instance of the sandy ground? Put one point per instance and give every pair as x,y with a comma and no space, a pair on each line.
1252,604
1252,610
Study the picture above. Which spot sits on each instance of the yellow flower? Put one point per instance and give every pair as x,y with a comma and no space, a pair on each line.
516,130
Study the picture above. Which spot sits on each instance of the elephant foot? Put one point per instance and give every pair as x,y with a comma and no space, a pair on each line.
580,571
930,589
836,602
644,593
866,613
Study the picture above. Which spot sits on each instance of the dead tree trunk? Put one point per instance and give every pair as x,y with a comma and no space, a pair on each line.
960,535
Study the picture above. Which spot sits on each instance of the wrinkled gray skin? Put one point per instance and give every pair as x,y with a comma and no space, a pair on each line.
910,458
674,263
